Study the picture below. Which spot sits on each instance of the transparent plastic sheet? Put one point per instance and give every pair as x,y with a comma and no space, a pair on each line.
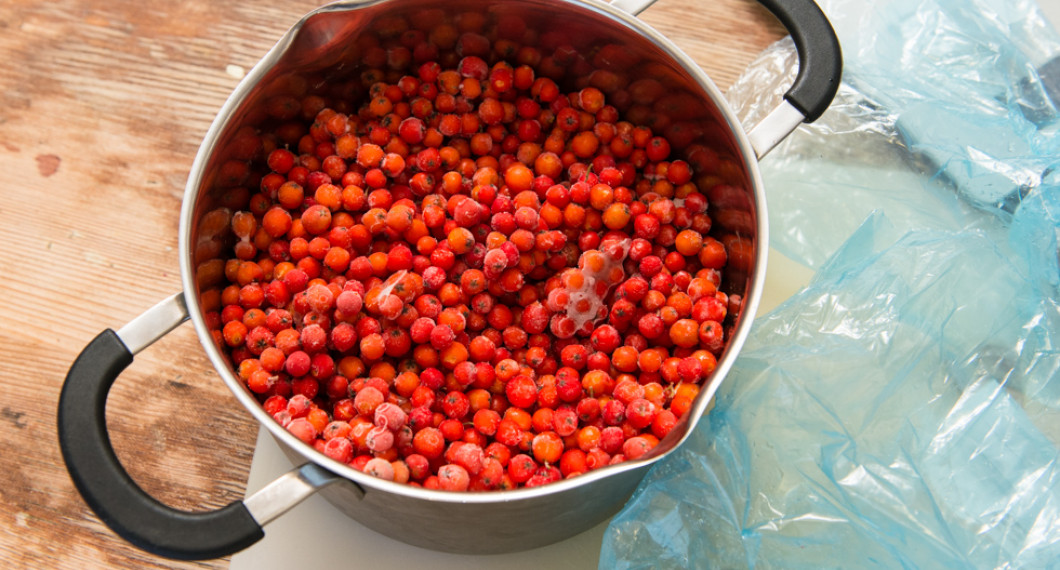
969,69
902,410
827,177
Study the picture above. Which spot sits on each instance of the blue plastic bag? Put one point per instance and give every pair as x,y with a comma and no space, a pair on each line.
902,410
872,421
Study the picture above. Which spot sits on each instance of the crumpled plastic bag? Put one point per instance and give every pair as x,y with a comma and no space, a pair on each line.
903,409
900,58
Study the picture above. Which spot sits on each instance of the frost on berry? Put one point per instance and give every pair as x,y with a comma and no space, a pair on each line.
588,285
379,467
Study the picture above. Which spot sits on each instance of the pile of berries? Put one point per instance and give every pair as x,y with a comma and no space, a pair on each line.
472,280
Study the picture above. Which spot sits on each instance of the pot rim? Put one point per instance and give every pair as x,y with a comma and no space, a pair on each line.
695,414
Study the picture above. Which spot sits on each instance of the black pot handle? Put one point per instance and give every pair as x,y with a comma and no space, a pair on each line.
106,486
819,74
820,57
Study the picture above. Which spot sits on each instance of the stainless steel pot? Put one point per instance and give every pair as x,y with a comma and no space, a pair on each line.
325,45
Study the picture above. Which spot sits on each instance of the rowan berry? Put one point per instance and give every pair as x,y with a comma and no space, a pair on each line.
521,391
379,467
547,447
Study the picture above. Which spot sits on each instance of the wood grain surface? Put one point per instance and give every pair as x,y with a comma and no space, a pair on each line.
103,105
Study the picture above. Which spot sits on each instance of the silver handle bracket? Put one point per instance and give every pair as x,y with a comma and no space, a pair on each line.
290,489
779,123
632,7
154,323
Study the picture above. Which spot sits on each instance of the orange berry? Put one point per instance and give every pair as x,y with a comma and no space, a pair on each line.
518,177
685,333
688,243
617,216
584,144
547,447
461,240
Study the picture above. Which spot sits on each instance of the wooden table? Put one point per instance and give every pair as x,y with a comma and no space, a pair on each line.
103,105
